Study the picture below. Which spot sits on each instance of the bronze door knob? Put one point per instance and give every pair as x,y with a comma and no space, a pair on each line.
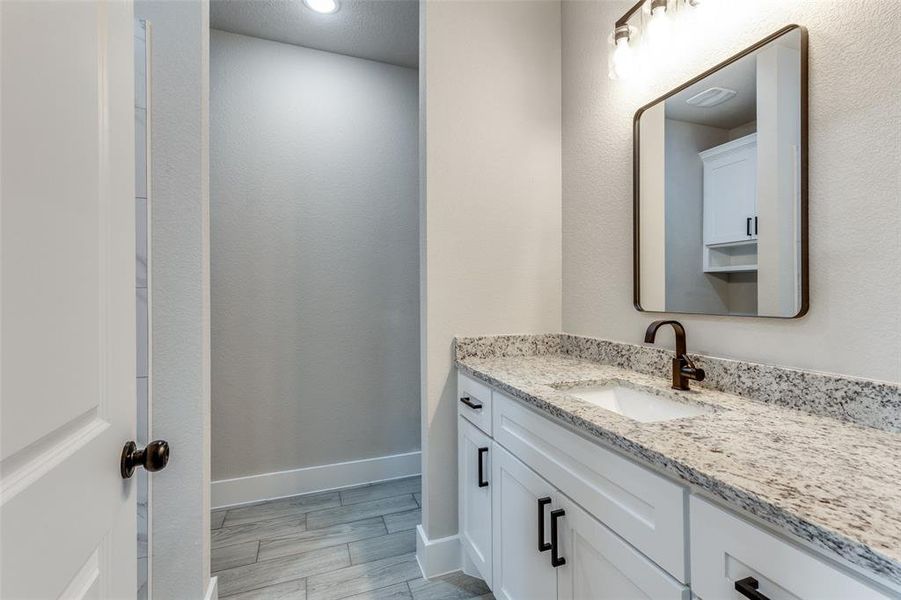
154,457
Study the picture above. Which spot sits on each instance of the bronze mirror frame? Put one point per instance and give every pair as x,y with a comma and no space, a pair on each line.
805,267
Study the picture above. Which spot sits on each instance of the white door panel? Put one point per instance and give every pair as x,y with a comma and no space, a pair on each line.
67,359
521,571
474,468
602,566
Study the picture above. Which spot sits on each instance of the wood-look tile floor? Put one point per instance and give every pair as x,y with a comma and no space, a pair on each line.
358,543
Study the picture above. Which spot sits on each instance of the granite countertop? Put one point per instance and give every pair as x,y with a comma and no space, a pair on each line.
832,483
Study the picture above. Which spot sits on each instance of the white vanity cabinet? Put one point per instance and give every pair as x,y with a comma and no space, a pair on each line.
543,544
730,206
546,514
730,191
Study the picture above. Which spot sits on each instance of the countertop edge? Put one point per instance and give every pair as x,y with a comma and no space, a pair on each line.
819,536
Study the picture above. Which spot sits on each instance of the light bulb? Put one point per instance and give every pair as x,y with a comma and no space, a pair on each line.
623,59
322,6
658,29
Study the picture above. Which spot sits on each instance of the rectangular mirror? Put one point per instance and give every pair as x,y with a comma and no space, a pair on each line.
720,215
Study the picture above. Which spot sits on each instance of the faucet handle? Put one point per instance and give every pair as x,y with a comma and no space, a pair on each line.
690,370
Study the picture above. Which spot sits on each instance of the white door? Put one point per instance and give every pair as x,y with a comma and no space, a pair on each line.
67,323
521,570
601,566
474,460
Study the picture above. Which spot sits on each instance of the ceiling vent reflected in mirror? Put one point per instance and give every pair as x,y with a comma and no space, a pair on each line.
711,97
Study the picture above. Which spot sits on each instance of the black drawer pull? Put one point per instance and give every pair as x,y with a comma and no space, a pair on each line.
556,559
542,545
468,402
482,482
747,587
748,226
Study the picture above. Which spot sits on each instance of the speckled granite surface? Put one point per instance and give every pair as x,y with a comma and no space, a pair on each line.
862,401
830,482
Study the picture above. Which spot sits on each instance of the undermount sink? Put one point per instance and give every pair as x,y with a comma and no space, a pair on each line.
636,404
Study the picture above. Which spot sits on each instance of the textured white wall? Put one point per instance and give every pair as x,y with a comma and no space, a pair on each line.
315,259
854,323
179,101
491,207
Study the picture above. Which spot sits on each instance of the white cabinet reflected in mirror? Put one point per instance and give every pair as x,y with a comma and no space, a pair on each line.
721,188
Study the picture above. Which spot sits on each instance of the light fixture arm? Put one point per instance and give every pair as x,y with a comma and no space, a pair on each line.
624,20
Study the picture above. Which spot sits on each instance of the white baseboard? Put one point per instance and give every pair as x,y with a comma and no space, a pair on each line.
437,557
268,486
212,590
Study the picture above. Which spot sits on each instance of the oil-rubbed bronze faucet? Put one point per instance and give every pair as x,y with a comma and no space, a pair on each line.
683,368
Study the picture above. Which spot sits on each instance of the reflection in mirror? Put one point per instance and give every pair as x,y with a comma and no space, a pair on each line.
720,202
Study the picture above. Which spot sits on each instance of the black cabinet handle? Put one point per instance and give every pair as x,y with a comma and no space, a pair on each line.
542,545
556,559
755,225
468,402
482,482
748,226
747,587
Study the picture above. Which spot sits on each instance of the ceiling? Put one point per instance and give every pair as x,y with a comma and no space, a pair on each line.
382,30
740,76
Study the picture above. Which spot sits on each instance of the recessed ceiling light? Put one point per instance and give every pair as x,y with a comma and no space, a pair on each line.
322,6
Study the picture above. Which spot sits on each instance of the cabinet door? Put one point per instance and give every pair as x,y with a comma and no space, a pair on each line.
474,459
730,194
521,570
601,566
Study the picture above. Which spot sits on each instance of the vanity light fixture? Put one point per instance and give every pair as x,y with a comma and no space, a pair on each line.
325,7
623,62
652,30
658,29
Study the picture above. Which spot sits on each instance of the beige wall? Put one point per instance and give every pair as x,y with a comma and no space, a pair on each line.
854,323
491,208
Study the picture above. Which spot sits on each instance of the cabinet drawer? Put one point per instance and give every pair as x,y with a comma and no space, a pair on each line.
474,483
470,395
726,549
644,508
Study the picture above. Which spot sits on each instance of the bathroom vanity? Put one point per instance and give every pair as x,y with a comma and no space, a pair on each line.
583,475
592,470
